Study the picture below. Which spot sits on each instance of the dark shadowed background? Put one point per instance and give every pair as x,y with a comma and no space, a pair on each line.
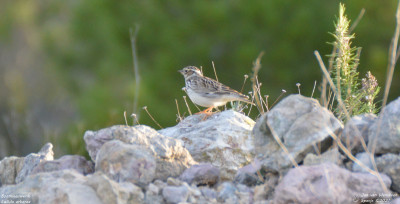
67,66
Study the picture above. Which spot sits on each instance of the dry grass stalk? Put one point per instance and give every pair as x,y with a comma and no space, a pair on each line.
256,69
145,108
126,120
179,118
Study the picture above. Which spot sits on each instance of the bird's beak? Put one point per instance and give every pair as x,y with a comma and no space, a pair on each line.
180,71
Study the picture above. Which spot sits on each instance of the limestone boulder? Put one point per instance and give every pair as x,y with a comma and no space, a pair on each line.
224,139
302,126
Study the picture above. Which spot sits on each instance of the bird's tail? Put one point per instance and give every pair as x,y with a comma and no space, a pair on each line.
245,99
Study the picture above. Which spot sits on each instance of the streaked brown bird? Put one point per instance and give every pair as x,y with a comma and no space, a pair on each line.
208,92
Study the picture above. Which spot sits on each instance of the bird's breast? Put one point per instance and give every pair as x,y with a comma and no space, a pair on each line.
202,100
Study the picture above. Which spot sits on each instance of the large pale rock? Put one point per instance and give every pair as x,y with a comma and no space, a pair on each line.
224,140
171,157
71,187
300,123
9,169
79,163
384,134
57,192
66,186
32,160
111,192
356,131
327,183
126,162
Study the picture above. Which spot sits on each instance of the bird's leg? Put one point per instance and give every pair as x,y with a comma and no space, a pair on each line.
208,112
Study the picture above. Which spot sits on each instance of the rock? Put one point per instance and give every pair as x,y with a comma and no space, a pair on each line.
209,193
333,156
9,169
244,193
151,199
265,191
263,202
79,163
201,174
300,123
175,194
160,184
57,192
32,160
327,183
260,193
356,130
384,134
112,192
95,139
365,159
395,201
248,174
152,189
171,157
389,164
227,193
69,186
195,195
66,186
153,195
173,182
126,162
224,140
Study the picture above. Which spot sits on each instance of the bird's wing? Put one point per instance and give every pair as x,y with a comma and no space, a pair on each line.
211,87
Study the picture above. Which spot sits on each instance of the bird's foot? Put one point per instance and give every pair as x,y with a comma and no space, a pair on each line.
208,112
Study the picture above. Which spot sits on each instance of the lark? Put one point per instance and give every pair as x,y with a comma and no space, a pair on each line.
207,92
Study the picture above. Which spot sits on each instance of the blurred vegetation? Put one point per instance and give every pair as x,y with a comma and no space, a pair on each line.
66,66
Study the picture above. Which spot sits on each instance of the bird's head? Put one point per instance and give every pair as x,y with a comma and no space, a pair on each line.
190,71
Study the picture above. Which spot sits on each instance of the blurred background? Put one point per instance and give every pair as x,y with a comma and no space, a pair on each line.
67,66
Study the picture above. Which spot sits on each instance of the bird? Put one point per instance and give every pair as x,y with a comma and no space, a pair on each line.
207,92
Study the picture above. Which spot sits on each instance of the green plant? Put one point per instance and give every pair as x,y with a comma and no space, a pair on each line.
345,60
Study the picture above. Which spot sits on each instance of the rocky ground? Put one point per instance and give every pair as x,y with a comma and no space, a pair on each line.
292,154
